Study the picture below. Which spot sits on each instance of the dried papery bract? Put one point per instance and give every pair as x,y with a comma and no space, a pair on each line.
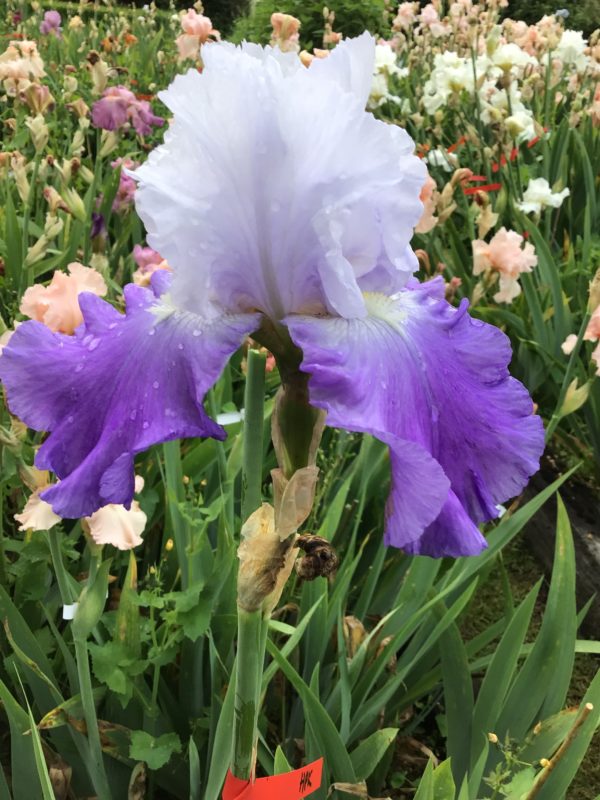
261,554
294,499
267,552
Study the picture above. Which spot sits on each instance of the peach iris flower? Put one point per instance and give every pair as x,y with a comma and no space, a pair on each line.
56,305
37,514
592,333
503,254
114,524
285,32
429,198
148,261
197,29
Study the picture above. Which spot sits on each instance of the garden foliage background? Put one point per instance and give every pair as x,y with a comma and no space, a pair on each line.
376,668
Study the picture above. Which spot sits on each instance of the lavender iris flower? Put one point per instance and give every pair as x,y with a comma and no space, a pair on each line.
119,106
51,23
278,200
98,225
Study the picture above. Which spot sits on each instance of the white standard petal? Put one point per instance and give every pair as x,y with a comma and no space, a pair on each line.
275,190
350,65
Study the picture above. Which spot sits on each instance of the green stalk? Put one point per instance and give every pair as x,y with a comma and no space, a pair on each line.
96,763
254,400
252,625
547,99
3,575
557,416
175,495
62,578
87,242
27,214
478,122
252,628
224,481
515,145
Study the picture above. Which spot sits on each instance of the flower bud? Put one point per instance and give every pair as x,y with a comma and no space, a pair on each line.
109,143
80,107
594,298
38,131
54,200
38,98
75,204
19,168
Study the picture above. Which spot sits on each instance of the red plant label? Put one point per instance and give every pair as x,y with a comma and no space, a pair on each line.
288,786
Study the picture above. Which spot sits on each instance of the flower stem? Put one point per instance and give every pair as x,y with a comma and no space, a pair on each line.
252,625
254,400
176,495
98,166
252,628
27,214
62,578
557,416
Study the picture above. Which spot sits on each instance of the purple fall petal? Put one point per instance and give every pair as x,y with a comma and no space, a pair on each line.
418,370
110,112
452,534
120,385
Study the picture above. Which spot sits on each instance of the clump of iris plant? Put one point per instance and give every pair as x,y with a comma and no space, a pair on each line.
285,212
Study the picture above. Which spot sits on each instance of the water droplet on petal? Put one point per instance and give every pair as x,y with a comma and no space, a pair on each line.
93,344
151,332
112,326
145,425
155,385
196,332
180,346
69,419
79,367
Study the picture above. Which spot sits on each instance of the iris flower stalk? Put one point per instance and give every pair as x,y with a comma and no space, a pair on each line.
285,211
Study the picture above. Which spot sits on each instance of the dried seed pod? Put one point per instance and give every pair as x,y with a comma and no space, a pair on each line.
320,559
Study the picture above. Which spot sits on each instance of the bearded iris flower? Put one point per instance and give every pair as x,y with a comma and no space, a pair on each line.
282,205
